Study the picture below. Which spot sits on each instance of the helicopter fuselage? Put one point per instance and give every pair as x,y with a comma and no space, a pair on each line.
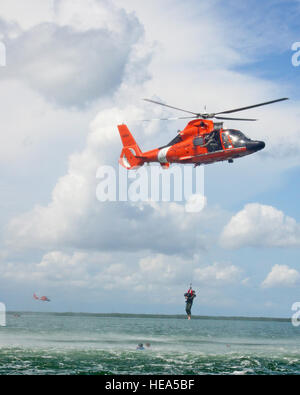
203,142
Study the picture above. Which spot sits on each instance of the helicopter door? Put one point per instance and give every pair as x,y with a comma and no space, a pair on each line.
226,140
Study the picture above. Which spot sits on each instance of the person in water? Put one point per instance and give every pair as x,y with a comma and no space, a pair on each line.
140,346
189,298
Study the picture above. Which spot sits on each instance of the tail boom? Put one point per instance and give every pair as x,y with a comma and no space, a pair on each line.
131,155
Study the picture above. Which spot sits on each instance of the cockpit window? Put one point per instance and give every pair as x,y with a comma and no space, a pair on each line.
237,138
175,140
226,141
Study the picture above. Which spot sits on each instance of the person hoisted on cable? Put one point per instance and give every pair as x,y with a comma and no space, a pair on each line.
189,298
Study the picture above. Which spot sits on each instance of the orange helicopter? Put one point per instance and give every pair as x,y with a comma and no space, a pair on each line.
202,141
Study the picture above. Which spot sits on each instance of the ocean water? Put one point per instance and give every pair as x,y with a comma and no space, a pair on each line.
40,343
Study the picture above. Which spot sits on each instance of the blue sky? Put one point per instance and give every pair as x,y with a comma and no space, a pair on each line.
75,69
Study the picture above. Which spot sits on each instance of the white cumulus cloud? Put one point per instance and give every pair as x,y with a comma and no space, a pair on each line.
260,225
69,67
217,273
281,276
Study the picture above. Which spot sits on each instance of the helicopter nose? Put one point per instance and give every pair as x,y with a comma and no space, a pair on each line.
255,146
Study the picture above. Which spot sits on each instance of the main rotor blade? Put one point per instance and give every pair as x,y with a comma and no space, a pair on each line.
175,108
255,105
166,119
236,119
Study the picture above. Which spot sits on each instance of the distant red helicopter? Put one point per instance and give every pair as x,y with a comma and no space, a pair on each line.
42,298
202,141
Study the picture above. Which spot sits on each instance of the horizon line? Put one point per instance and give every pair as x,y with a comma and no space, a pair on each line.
155,315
